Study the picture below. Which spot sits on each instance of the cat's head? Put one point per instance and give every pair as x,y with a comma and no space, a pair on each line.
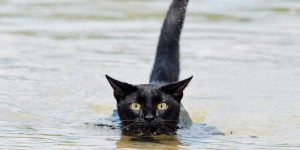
148,109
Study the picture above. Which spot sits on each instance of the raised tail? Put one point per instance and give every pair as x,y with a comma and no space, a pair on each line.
166,65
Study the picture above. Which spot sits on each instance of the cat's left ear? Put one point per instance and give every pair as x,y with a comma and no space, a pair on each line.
176,88
121,89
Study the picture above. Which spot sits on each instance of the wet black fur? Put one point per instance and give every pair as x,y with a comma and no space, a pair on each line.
167,66
163,86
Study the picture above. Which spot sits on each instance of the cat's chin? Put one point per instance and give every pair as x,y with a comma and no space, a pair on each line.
148,132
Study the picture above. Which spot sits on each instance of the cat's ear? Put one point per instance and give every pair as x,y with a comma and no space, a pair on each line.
176,88
121,89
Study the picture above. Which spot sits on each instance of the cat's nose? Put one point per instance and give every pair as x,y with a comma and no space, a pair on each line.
149,117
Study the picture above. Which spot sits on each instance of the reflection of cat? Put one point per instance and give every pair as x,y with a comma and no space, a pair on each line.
155,108
157,142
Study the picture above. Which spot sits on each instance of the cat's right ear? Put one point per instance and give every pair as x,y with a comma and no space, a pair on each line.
121,89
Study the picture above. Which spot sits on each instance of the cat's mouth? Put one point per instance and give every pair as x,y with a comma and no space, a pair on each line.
140,127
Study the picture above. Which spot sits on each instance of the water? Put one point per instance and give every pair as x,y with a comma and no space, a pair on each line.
244,57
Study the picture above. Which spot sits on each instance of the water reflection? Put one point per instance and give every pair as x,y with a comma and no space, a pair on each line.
160,142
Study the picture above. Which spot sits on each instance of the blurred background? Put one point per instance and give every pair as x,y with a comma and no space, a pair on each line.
244,56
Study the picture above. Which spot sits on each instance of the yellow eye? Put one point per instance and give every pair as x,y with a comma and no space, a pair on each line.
162,106
135,106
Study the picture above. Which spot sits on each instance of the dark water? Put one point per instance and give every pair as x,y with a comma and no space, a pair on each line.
244,56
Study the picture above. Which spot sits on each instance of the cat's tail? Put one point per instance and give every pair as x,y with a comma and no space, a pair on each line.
166,65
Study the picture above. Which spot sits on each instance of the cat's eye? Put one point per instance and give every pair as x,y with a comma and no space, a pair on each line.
135,106
162,106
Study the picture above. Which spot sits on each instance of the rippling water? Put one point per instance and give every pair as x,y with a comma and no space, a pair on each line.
244,56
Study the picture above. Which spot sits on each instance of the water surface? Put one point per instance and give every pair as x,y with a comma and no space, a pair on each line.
244,56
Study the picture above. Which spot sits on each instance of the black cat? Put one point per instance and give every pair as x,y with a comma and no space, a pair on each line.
155,108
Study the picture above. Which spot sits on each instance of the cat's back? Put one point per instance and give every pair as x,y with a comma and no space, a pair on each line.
185,120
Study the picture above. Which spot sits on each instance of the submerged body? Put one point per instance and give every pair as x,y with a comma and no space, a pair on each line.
155,108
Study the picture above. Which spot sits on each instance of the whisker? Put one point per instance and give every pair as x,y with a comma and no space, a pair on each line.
167,129
130,125
171,124
128,120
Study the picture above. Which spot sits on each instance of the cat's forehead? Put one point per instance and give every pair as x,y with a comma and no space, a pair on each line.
148,89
